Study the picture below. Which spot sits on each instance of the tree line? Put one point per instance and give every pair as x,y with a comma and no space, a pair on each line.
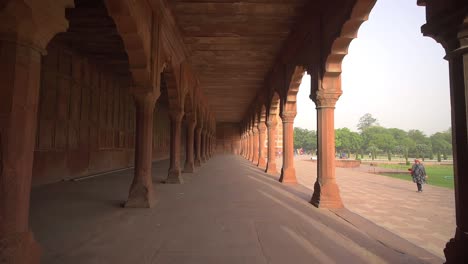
373,139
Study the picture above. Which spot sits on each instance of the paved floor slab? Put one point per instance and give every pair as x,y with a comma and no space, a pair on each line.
226,212
426,219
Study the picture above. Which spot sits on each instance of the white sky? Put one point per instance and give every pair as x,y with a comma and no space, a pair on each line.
392,72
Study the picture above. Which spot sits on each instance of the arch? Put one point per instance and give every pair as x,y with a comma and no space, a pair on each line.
175,96
293,89
340,45
263,113
296,80
133,24
274,106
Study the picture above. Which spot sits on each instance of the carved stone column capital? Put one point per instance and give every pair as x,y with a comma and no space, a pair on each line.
288,117
262,127
271,123
327,99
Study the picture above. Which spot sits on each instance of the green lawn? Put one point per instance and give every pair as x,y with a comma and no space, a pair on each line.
439,175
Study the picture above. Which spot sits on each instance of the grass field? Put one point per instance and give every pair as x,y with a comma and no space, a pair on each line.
439,175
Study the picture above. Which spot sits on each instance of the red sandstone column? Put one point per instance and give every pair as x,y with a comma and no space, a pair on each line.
249,153
255,145
203,146
271,162
198,145
326,191
261,142
173,175
207,157
252,145
246,146
288,172
20,68
210,140
456,249
141,192
189,150
24,35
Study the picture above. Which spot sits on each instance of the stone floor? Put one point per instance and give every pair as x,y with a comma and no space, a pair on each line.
227,212
426,219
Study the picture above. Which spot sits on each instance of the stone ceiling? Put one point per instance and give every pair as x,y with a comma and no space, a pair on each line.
233,46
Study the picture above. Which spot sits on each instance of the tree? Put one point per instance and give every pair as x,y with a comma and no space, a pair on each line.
379,137
366,121
422,146
304,138
441,144
347,141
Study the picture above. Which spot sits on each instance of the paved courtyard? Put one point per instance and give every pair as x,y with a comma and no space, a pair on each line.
426,219
227,212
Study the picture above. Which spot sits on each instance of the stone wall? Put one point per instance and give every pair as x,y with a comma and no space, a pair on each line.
86,119
227,138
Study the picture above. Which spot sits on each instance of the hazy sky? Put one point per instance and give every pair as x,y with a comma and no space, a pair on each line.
392,71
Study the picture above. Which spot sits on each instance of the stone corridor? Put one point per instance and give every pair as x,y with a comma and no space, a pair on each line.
226,212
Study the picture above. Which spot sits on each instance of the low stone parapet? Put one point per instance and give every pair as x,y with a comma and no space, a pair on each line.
347,163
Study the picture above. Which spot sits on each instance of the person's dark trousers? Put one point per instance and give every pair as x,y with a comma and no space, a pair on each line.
419,187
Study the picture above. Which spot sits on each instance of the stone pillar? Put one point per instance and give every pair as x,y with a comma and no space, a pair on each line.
210,140
261,145
248,145
20,68
24,35
198,145
252,145
141,194
271,162
255,145
456,249
326,191
189,149
203,146
173,175
244,147
288,171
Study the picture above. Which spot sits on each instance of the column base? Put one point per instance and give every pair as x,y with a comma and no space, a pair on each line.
189,167
455,250
288,175
174,177
326,196
261,164
140,196
20,248
197,163
271,169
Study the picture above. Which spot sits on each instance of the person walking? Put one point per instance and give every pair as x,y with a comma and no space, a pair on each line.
418,172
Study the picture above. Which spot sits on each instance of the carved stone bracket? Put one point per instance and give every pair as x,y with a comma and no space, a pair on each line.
325,99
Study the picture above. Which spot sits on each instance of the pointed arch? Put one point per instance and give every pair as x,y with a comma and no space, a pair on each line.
340,45
274,107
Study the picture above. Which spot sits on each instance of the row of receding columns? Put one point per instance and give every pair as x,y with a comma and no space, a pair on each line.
326,191
253,146
20,78
141,190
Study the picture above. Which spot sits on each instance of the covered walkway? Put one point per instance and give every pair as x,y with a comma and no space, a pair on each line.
95,86
226,212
